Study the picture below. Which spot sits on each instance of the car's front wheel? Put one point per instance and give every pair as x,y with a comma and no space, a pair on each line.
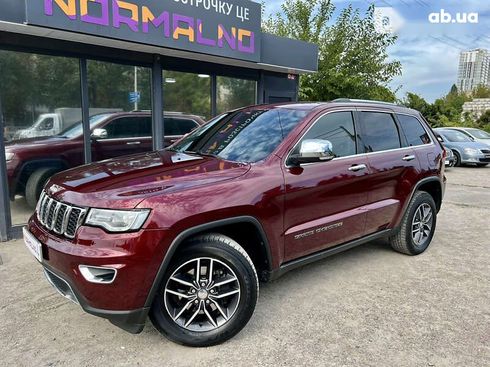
417,227
208,294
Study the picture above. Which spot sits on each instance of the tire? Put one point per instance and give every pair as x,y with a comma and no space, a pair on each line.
35,184
229,261
457,159
405,241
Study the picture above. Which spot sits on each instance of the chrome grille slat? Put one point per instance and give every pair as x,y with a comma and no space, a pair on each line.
59,217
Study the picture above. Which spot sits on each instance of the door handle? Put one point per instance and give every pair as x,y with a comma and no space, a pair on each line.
357,168
133,143
409,158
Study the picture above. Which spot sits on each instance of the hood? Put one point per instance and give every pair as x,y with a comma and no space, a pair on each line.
467,144
125,182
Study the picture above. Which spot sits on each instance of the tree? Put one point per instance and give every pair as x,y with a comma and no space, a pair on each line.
481,91
484,120
353,59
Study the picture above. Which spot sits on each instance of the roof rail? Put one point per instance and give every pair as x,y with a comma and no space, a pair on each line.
349,100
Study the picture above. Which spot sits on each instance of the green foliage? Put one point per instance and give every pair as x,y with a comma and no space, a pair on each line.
482,91
448,110
353,61
484,120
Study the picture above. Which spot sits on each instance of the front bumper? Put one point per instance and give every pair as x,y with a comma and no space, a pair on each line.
478,158
136,256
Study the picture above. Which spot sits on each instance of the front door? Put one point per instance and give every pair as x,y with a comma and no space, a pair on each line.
324,201
125,135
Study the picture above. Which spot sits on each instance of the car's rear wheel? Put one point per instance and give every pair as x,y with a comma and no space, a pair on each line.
417,227
208,293
35,184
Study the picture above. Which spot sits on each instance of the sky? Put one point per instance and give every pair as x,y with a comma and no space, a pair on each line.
428,51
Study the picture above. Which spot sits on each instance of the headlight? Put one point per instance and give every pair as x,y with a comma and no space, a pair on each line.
471,151
9,156
117,220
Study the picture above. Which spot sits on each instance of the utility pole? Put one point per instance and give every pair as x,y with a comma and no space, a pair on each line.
136,88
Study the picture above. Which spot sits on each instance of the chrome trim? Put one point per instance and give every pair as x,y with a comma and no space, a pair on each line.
100,268
46,204
359,154
357,168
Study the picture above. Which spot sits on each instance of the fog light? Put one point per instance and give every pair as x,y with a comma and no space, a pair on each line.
99,275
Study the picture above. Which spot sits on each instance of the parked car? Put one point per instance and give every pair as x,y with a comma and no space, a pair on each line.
49,124
184,234
30,162
449,157
476,134
465,149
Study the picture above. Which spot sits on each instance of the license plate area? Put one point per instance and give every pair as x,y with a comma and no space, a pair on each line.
33,245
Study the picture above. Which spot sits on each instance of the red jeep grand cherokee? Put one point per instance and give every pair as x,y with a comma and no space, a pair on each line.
184,234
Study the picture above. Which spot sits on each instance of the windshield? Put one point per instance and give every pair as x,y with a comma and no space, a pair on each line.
244,136
77,129
479,134
455,136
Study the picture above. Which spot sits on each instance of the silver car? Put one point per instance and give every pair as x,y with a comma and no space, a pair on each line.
477,134
465,149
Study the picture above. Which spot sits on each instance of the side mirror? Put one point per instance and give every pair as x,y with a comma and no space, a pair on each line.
312,151
99,134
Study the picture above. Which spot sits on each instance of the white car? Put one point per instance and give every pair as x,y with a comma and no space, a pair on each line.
477,134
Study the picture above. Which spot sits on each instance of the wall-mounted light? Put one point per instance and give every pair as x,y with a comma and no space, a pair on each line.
203,75
170,80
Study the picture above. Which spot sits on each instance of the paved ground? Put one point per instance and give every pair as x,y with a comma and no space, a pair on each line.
367,307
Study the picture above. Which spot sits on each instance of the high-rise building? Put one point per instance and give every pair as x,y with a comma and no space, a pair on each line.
474,69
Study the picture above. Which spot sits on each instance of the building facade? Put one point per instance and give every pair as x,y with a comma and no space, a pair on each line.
66,58
477,107
474,69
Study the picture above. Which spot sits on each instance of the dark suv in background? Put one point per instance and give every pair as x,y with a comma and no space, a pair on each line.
184,234
30,162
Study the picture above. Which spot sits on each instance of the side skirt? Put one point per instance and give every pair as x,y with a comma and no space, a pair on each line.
294,264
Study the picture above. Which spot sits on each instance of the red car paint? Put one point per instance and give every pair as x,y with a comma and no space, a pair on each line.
186,191
63,153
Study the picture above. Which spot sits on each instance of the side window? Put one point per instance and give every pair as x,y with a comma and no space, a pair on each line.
379,132
129,127
414,131
177,127
338,128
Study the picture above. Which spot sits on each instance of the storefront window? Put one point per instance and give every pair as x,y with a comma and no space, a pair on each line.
187,93
235,93
40,99
121,96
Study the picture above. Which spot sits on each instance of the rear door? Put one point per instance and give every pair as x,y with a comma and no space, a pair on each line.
125,135
324,201
393,164
177,127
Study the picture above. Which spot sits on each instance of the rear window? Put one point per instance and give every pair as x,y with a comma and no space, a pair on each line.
179,126
413,130
378,132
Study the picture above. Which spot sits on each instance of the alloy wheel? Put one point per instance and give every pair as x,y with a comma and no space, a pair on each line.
202,294
422,224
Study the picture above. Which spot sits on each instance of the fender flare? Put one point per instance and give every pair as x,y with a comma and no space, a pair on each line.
415,189
42,163
180,239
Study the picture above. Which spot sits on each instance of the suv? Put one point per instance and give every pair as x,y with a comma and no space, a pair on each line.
184,234
30,162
